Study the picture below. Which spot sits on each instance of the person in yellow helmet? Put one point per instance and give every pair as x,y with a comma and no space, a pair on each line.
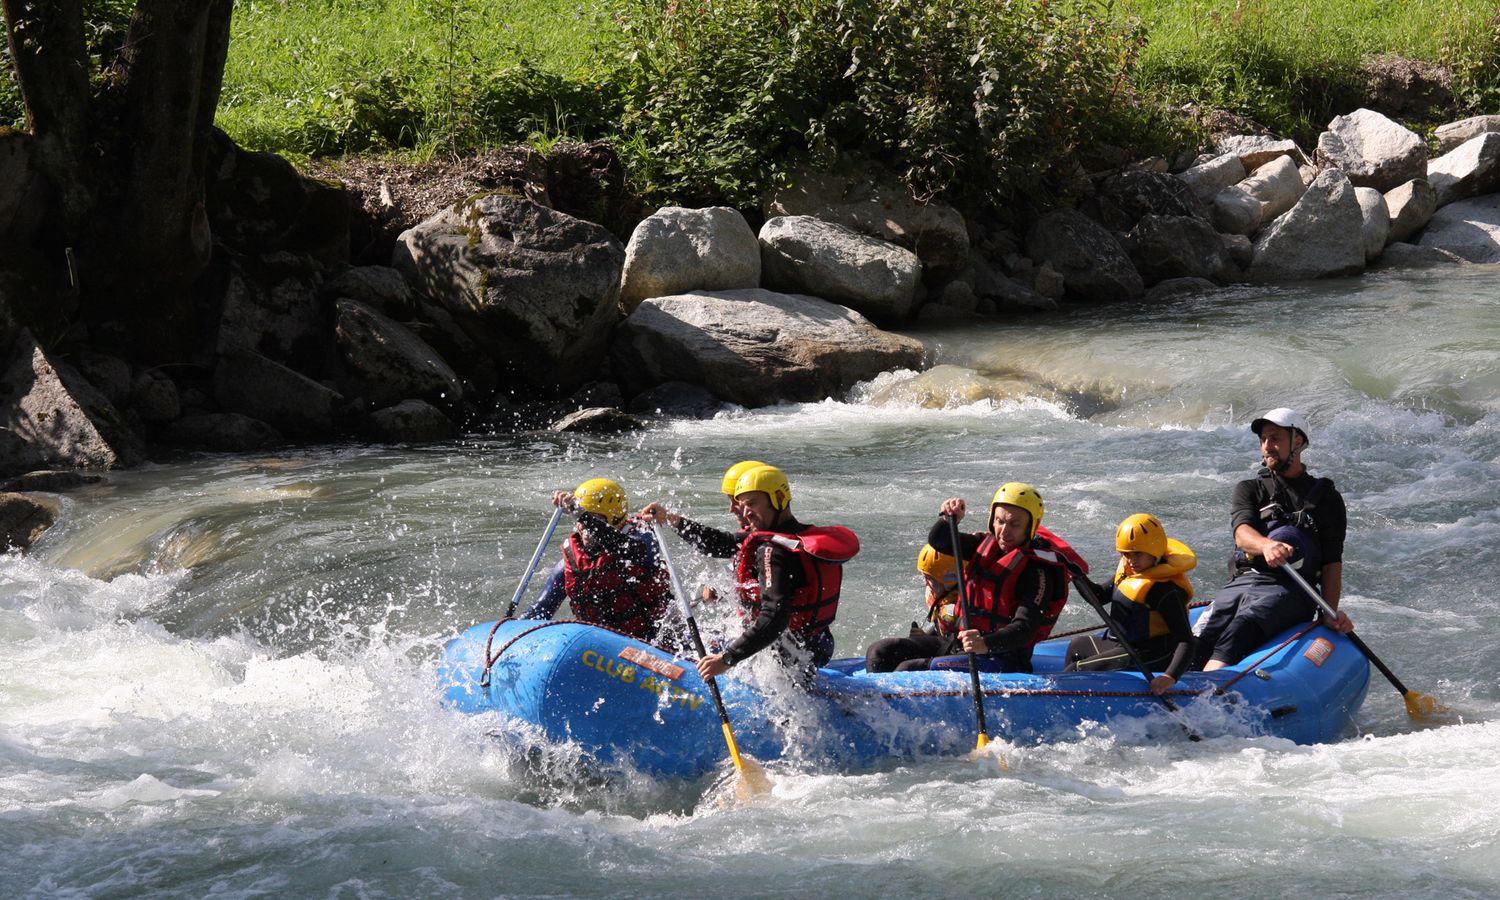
1017,578
1149,601
610,572
710,541
940,576
789,574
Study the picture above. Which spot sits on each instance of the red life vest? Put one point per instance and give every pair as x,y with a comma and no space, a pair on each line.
822,552
993,577
616,593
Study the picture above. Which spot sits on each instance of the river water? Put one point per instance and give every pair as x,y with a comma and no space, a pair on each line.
216,675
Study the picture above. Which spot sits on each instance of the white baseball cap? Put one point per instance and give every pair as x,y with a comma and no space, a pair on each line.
1286,418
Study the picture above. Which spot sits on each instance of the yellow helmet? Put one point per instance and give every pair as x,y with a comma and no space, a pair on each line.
1016,493
765,478
1141,533
602,497
733,473
937,565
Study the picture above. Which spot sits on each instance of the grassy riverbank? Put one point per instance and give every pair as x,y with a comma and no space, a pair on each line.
717,99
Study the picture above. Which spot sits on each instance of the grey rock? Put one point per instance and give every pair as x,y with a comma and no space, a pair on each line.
755,347
248,383
1377,220
50,480
387,363
271,306
1323,235
1278,185
1094,266
1255,150
543,287
409,422
1402,255
1234,211
23,518
381,287
1470,169
1452,135
1178,247
1467,228
53,417
154,396
804,255
1372,150
1178,288
677,399
1207,179
1239,249
110,374
936,232
1123,199
676,249
1411,206
599,420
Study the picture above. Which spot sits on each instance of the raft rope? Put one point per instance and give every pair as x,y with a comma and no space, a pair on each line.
489,660
1270,653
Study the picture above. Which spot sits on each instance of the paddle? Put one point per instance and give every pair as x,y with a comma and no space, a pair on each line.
1086,590
536,557
1418,706
753,778
963,625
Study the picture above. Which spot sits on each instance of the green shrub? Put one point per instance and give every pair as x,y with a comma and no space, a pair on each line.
972,99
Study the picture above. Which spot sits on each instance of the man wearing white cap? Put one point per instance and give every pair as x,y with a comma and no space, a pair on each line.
1283,516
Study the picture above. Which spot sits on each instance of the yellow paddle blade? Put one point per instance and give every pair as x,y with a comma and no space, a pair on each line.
1420,706
983,747
753,778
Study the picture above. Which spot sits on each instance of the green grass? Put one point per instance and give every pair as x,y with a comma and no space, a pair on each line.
1277,59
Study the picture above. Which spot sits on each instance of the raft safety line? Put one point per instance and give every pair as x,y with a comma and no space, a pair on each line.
1270,653
489,661
1077,631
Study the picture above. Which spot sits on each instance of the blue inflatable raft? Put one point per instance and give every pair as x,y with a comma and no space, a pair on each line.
635,707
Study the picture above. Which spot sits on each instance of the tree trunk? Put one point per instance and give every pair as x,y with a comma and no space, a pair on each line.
127,154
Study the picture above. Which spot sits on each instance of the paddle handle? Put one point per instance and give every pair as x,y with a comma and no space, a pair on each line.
692,624
1331,613
536,557
963,625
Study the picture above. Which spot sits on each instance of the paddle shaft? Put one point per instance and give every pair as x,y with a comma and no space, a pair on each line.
1086,590
963,617
536,557
692,624
1355,639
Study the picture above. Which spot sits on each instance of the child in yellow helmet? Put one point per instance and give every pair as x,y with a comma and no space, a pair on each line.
940,576
1149,601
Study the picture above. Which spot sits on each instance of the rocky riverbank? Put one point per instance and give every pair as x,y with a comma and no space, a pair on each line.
533,294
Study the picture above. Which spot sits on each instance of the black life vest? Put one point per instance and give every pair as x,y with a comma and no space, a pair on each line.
1290,523
616,593
822,551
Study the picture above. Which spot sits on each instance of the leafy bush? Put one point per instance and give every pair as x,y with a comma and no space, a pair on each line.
968,98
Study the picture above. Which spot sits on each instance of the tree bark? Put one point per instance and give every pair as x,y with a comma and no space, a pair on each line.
126,150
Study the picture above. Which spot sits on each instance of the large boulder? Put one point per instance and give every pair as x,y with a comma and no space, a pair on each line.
1255,150
804,255
755,347
1467,228
1164,247
253,385
1123,199
1208,178
1095,268
1323,235
23,518
1277,185
1411,206
271,305
1468,170
675,250
1377,220
222,433
1234,211
258,202
51,417
1401,255
408,422
870,205
1452,135
541,286
386,363
1372,150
